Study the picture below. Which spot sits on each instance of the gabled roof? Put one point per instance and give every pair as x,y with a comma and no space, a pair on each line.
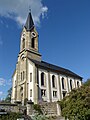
29,22
58,69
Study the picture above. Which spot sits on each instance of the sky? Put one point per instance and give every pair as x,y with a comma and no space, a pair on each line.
64,35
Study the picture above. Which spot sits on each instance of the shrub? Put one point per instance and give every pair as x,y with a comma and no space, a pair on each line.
37,107
76,106
11,116
39,117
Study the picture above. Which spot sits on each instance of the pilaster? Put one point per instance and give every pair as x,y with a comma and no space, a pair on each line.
68,90
59,86
49,86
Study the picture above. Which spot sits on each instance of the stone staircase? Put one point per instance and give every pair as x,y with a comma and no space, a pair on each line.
56,118
60,118
49,108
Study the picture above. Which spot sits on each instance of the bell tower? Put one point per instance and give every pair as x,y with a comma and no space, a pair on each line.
28,50
29,40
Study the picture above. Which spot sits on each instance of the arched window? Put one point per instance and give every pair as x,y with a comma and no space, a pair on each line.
33,43
21,89
30,92
53,81
23,45
63,86
71,84
23,75
42,79
30,77
21,92
78,84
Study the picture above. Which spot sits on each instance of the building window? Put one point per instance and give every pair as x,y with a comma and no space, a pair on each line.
23,75
21,95
42,79
43,92
31,93
54,93
30,77
71,84
78,84
21,89
33,43
64,94
15,82
63,86
53,81
23,46
21,92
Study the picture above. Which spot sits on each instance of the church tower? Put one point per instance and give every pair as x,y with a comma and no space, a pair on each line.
29,40
28,50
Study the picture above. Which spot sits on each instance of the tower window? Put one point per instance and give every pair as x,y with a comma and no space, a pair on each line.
33,43
30,77
53,81
23,43
71,84
23,75
63,87
31,93
21,92
42,79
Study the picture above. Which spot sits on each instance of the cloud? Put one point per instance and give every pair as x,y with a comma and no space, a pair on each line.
9,82
1,93
18,9
2,82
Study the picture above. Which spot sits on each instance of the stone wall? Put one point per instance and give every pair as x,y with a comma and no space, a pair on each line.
9,107
12,107
50,109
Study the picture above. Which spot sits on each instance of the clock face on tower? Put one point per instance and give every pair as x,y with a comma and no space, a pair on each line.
22,56
23,35
33,34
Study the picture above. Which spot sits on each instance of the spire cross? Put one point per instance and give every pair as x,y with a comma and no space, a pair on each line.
29,9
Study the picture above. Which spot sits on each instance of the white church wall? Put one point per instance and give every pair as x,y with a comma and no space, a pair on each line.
54,90
65,90
79,81
30,82
45,87
73,83
13,88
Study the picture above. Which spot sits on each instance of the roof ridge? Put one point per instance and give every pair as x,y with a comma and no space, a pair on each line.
55,68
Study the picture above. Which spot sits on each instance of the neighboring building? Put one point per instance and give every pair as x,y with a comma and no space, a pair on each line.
35,79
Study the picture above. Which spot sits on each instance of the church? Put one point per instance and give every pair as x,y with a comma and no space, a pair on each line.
37,80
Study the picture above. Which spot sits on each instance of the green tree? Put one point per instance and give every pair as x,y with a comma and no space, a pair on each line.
8,97
76,106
